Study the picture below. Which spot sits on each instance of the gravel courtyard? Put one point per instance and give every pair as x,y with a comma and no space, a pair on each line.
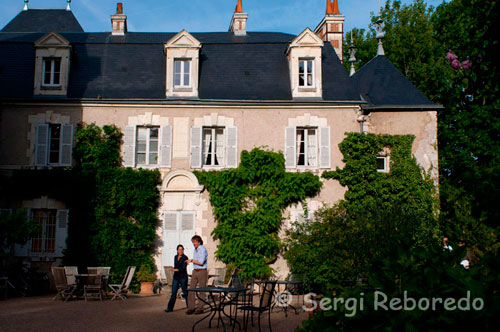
138,313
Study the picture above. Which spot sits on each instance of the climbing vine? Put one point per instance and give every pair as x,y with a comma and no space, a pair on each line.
248,204
406,186
116,219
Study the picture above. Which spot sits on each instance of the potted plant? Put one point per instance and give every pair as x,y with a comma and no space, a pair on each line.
147,278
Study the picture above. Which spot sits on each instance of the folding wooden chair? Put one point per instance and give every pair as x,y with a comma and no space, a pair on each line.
121,290
64,290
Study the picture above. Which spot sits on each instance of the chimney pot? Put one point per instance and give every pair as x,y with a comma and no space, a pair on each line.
119,8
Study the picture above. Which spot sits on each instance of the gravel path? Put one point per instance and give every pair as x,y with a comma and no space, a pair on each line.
138,313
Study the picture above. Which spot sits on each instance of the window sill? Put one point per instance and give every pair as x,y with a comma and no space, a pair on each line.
212,168
50,87
180,89
307,89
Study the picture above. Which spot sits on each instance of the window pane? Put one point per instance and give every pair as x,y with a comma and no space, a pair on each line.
141,146
142,133
57,78
153,158
50,231
153,133
46,78
57,65
300,147
207,141
177,67
309,80
153,146
381,163
301,80
301,67
187,65
186,79
141,158
177,79
36,241
312,150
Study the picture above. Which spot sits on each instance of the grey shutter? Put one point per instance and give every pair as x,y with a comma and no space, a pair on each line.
21,250
324,147
129,146
166,146
66,144
61,231
232,147
42,138
290,147
196,146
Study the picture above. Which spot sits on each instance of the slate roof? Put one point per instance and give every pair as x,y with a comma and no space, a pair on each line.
383,86
132,67
44,20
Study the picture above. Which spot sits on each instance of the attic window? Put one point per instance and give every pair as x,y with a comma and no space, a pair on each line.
182,73
51,72
306,73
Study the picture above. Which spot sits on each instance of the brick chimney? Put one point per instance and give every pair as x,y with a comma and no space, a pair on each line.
239,21
331,28
119,21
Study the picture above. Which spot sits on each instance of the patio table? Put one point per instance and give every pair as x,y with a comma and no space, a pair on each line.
217,306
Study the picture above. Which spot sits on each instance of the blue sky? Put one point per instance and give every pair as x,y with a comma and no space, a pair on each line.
291,16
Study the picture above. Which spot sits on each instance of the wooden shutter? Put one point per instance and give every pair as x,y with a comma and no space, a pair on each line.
66,145
129,146
290,147
61,231
324,147
196,146
42,139
170,238
186,233
166,146
232,147
22,250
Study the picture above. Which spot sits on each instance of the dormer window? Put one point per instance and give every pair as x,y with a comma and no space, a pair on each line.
52,65
182,73
51,72
306,73
182,55
305,63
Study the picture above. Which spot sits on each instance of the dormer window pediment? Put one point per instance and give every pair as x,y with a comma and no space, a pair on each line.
52,64
182,54
305,61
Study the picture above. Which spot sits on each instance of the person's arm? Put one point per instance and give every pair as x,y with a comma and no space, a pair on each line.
175,264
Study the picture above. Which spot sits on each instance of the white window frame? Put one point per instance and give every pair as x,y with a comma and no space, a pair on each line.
43,236
182,84
306,146
384,157
52,71
306,74
148,146
213,137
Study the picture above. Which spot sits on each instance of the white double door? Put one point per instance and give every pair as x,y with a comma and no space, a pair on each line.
178,228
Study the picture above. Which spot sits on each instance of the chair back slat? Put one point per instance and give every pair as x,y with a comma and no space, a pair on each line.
130,275
71,272
59,276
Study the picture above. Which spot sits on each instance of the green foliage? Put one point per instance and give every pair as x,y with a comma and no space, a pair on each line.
119,207
406,185
422,272
248,205
15,228
145,274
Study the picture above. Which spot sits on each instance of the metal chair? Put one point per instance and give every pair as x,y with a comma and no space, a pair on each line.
121,290
265,303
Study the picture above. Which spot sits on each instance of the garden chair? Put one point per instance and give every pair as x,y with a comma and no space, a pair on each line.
71,272
169,274
64,290
220,276
121,290
94,286
265,303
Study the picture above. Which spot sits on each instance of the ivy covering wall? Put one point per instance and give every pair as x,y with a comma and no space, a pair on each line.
114,215
248,205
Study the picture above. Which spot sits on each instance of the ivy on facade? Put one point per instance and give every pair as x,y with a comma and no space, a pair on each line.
248,204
